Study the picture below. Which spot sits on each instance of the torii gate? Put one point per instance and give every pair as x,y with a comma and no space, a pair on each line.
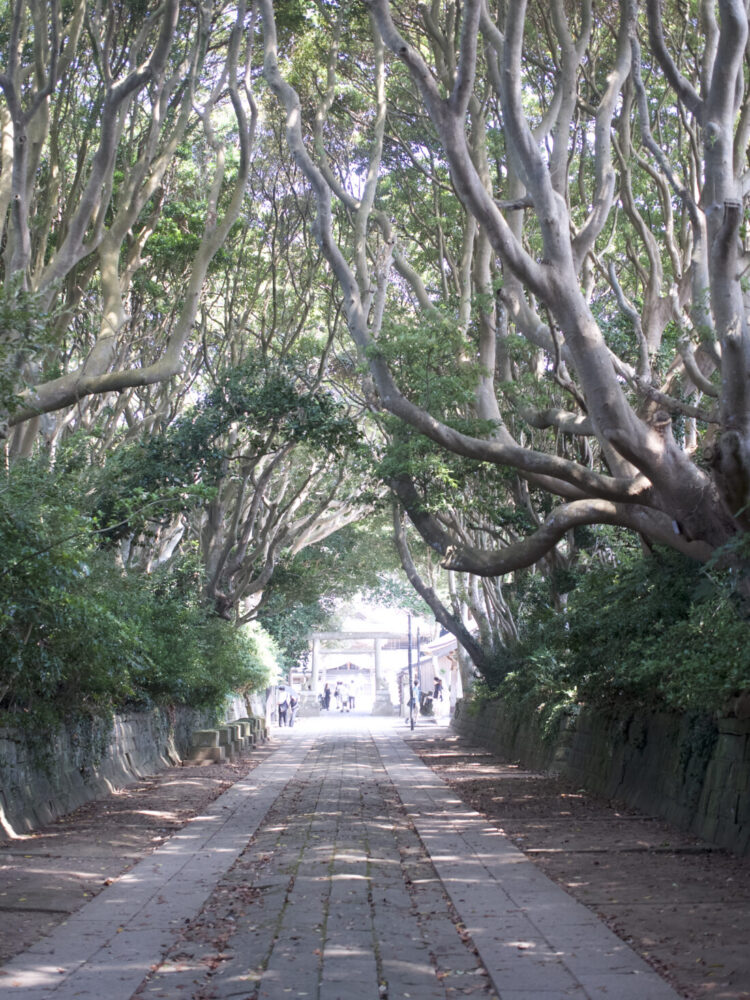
383,704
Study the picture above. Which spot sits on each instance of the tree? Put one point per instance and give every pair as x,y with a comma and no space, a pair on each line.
308,591
101,104
591,169
282,486
260,467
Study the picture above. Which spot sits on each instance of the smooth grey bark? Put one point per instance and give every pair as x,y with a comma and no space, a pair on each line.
104,224
656,487
443,616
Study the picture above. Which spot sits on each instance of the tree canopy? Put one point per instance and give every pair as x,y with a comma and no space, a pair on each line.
578,174
273,266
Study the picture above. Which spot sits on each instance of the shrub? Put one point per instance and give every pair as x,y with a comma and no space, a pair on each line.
656,632
81,638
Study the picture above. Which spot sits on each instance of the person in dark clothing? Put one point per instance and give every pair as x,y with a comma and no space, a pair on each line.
283,707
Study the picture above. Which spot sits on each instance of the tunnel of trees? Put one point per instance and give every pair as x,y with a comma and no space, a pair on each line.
447,305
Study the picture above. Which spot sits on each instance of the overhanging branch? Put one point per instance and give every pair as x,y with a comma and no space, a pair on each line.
428,595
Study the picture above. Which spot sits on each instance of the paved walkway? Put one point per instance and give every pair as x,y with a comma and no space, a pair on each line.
340,868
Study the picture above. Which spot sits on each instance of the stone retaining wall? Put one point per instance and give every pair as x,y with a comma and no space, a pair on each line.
692,770
50,774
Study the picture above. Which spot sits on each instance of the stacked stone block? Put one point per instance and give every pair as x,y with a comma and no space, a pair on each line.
40,783
205,748
691,770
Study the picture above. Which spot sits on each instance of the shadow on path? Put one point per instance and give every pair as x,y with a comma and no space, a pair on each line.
340,867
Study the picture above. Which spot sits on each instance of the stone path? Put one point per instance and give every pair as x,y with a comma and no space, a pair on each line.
341,867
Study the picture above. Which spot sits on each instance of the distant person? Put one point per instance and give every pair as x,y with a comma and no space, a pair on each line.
293,703
351,699
283,706
437,692
344,696
337,696
327,697
412,704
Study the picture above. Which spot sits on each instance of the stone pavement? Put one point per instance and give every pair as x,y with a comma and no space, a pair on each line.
341,867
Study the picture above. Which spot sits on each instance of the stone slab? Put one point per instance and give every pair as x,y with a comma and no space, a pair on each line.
129,925
490,881
340,865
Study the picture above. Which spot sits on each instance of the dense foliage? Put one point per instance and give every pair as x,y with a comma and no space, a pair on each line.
252,410
81,636
656,632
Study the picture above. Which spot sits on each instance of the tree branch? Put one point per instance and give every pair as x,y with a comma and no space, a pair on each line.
682,87
524,553
428,595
